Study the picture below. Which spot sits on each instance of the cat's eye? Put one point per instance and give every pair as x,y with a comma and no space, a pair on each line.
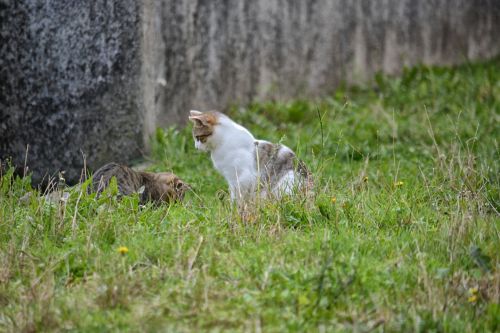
202,138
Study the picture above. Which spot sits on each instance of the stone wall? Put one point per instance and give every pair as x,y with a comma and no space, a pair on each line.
213,53
70,83
98,77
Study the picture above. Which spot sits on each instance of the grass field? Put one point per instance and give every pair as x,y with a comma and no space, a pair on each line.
403,234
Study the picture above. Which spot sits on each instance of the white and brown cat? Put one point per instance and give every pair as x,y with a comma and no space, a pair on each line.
250,166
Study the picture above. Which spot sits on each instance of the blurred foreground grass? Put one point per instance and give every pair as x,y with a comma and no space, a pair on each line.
403,234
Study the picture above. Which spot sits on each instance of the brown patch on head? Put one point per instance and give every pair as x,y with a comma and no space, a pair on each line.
165,187
204,123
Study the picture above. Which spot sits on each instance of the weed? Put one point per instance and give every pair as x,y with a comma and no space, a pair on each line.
401,235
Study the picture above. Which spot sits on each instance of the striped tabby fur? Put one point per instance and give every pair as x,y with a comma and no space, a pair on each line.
157,187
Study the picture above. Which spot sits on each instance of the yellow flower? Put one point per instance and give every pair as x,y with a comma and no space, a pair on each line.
123,250
365,179
473,291
472,299
398,184
334,199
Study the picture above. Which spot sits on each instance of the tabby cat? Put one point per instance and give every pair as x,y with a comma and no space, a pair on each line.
155,187
249,165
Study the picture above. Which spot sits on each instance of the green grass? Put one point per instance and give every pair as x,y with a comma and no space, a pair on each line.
405,224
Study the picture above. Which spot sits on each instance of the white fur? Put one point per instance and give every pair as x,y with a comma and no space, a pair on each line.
232,149
285,185
233,155
200,146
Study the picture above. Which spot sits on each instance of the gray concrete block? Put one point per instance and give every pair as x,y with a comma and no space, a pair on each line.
69,83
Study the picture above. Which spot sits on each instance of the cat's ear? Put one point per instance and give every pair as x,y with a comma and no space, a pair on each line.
195,113
198,121
181,186
203,119
197,117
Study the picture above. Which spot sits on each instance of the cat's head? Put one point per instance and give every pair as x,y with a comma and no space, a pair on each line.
168,187
204,128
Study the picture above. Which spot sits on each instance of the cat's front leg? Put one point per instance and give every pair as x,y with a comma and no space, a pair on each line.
244,188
